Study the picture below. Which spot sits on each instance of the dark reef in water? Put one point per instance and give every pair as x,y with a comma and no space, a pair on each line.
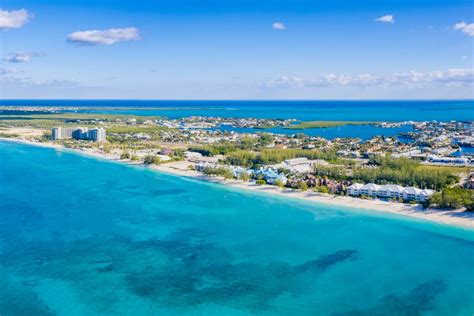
203,274
325,262
416,303
19,300
180,271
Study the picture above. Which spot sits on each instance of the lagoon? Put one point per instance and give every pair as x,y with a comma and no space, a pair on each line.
363,132
81,236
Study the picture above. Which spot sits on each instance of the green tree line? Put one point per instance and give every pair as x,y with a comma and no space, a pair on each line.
455,197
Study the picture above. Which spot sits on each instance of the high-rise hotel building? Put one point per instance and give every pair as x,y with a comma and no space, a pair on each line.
62,132
94,134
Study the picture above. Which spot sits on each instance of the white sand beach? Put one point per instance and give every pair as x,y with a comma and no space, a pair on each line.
451,217
182,168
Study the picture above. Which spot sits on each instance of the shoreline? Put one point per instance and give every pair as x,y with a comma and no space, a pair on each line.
180,168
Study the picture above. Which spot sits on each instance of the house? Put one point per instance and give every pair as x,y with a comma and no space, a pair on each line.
354,189
425,195
271,176
411,194
390,191
370,189
192,156
238,171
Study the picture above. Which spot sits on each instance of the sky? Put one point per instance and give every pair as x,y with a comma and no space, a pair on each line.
229,49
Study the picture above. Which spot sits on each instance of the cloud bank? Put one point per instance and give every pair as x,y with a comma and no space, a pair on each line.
106,37
451,77
8,71
29,82
467,29
13,19
22,57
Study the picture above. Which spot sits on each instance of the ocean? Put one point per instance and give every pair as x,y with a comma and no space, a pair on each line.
83,236
441,110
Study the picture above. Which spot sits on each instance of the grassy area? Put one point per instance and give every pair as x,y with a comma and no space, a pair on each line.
325,124
451,169
47,121
7,135
135,129
76,116
34,123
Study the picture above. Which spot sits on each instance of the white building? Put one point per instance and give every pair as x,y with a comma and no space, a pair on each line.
239,171
62,132
355,189
411,193
425,194
95,134
449,160
370,189
192,156
389,191
271,176
299,165
415,194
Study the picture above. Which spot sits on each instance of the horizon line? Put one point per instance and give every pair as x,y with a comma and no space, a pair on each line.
233,100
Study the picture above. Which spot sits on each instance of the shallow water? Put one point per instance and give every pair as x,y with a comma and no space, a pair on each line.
80,236
363,132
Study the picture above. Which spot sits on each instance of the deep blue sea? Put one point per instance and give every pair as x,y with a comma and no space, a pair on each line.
81,236
300,110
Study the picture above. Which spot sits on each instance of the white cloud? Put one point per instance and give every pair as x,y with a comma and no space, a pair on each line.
386,19
13,19
106,37
467,29
451,77
22,57
278,26
285,82
8,71
29,82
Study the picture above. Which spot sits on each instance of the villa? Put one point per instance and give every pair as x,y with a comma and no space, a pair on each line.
271,176
370,189
300,165
355,189
391,191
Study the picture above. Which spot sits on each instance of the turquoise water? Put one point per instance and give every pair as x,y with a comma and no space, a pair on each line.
376,110
80,236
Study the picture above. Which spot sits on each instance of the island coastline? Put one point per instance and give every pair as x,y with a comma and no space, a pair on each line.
456,218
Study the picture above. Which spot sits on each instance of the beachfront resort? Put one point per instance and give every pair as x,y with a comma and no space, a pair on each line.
78,133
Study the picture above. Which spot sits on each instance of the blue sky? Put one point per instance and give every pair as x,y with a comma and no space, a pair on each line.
405,49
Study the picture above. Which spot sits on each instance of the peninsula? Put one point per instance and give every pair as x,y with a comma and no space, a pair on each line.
382,173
